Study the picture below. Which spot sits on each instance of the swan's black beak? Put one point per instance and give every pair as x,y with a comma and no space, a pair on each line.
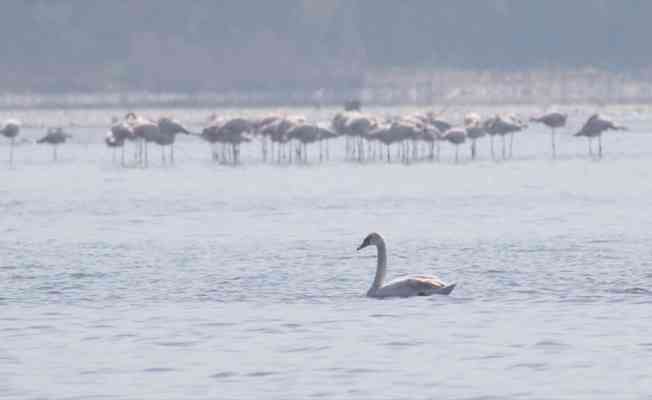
366,242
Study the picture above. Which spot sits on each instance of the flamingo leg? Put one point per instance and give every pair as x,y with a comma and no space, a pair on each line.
300,155
328,145
493,155
12,142
511,144
297,151
141,152
415,150
554,146
404,152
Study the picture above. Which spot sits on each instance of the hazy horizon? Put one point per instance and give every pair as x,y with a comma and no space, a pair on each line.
159,46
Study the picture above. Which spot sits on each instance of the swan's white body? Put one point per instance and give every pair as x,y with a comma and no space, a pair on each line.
418,285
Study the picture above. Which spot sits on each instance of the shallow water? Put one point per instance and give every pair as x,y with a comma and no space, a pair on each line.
203,281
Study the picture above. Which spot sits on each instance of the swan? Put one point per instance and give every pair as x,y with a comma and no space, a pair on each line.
418,285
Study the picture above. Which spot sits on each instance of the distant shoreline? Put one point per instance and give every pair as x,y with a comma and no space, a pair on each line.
384,87
56,102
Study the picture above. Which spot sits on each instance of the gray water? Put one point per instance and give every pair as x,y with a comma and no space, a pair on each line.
199,281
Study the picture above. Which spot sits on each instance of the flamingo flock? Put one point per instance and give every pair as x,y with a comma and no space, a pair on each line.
287,139
142,131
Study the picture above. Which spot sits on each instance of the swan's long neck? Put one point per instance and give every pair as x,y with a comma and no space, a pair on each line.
381,268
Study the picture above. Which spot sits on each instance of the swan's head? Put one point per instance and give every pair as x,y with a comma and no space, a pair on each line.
372,239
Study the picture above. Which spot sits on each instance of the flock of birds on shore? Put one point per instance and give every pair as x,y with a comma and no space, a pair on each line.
288,139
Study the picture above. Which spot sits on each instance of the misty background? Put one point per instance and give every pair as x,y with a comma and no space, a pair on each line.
293,51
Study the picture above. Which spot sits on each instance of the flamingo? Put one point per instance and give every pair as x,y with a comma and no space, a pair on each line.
113,142
145,130
231,132
54,137
356,127
120,132
211,135
168,129
456,136
306,134
593,127
277,131
503,125
553,121
406,131
234,133
386,136
474,131
10,129
259,130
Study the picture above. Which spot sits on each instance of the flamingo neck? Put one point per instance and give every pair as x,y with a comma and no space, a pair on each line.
381,268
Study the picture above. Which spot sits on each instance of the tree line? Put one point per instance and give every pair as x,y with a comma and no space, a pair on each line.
285,45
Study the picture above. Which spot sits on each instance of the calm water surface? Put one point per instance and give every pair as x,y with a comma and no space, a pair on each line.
200,281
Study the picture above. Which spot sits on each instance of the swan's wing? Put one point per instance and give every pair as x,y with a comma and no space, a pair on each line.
414,286
418,281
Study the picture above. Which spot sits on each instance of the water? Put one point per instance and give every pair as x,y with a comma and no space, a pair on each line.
199,281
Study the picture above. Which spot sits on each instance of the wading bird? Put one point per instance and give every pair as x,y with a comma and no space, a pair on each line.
594,127
54,137
553,121
456,136
10,129
474,131
168,129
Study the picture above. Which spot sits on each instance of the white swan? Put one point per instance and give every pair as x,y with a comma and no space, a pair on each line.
418,285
